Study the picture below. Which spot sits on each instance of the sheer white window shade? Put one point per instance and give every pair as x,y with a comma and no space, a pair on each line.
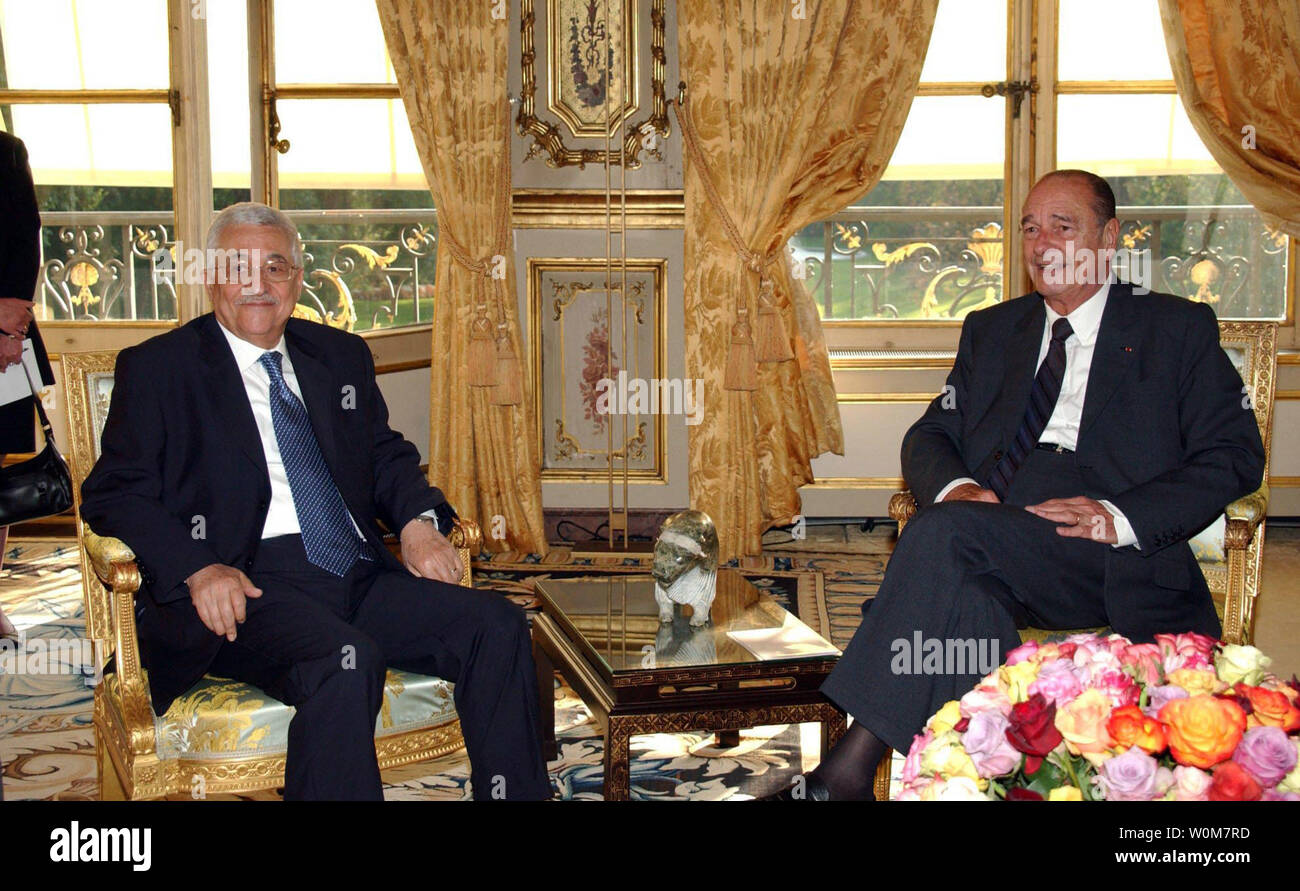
968,43
348,144
1109,40
950,138
1134,135
97,144
84,44
330,41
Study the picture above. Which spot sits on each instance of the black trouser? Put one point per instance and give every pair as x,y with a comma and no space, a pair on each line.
322,644
967,571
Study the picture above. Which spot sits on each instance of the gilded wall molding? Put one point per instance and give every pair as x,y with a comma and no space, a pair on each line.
547,138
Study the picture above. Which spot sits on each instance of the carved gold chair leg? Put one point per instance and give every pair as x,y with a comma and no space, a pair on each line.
883,770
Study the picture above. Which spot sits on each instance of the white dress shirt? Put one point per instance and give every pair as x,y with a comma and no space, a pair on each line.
1063,426
281,516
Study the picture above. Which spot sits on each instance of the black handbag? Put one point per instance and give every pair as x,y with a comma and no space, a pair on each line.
40,486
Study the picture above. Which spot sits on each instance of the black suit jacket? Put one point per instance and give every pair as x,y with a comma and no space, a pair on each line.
1166,436
20,262
181,455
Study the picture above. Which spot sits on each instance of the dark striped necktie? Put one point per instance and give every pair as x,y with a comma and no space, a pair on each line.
328,535
1042,400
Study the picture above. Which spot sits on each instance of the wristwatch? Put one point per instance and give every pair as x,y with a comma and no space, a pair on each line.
444,517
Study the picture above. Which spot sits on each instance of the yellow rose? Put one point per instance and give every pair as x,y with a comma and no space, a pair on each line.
1065,793
956,789
945,758
1014,680
1237,664
1083,722
946,718
1196,682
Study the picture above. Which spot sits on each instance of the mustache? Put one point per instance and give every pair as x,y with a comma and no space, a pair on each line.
255,300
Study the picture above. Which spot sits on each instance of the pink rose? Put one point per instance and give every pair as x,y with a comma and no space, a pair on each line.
1118,685
985,740
1274,795
1133,776
1187,650
1094,657
1117,644
1144,662
1022,653
982,699
1058,682
1266,754
912,764
1191,784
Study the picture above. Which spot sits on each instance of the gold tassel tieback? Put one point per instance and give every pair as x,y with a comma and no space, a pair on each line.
742,368
482,351
773,341
509,388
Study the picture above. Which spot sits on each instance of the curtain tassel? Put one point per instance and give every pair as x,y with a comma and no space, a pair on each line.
742,366
482,352
773,341
509,376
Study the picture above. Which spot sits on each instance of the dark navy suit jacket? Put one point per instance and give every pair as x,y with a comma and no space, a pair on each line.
1167,436
181,453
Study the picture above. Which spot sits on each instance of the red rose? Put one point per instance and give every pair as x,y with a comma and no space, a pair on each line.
1232,783
1033,726
1018,794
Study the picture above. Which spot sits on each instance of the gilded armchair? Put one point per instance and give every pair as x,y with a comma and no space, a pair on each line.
221,736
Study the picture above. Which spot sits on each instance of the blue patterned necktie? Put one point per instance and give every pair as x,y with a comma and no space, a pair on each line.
1042,401
328,535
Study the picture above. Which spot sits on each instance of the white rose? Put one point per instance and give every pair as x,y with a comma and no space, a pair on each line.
1237,664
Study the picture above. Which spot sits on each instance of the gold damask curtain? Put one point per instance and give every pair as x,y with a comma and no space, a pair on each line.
1237,66
450,59
795,116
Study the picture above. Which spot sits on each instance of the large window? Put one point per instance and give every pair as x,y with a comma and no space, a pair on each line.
1118,114
344,165
936,237
97,123
304,114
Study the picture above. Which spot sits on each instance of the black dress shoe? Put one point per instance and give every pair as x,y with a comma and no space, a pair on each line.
810,789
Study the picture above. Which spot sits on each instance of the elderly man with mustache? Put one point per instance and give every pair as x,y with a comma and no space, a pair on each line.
245,459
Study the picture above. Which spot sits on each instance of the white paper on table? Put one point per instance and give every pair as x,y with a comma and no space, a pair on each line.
13,382
793,640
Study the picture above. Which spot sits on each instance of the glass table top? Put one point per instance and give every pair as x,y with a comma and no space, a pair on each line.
616,620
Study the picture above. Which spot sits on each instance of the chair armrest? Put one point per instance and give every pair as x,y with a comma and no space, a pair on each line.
109,556
115,567
467,539
902,507
1244,516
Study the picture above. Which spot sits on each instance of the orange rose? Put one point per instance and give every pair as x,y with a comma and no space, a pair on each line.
1271,708
1203,730
1129,727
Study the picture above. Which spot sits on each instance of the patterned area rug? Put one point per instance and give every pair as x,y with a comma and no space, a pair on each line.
47,743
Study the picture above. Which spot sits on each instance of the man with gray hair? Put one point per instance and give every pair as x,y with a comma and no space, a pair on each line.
245,459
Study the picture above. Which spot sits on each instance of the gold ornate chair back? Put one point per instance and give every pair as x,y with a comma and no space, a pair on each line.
221,736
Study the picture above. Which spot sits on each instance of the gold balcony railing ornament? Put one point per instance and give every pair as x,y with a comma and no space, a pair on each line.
987,246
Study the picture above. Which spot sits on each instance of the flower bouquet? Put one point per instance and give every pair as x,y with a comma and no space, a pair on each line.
1097,718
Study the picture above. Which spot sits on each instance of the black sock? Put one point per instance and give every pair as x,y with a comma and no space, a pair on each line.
849,771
